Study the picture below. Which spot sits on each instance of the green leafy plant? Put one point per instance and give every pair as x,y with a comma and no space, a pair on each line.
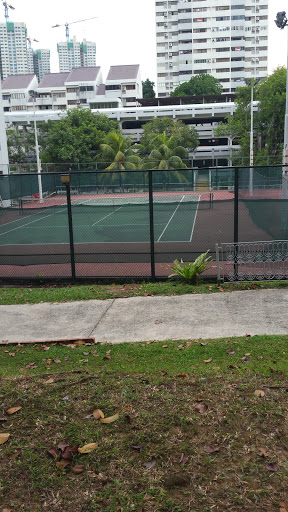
190,272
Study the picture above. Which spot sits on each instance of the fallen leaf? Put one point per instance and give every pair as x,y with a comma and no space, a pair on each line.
12,410
110,419
87,448
108,356
210,449
14,455
136,447
158,322
183,459
259,392
4,438
182,375
272,467
150,465
62,464
98,414
78,469
69,452
63,445
49,381
263,452
201,408
57,361
164,346
6,509
52,451
207,360
283,507
230,351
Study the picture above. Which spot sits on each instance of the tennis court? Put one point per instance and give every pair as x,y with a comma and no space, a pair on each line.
105,219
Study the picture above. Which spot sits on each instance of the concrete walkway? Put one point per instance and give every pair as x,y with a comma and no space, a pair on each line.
150,318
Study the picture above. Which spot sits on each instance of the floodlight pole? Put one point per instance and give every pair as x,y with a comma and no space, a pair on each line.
33,95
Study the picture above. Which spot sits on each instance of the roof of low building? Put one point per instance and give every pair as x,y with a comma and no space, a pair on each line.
17,82
123,72
83,74
53,80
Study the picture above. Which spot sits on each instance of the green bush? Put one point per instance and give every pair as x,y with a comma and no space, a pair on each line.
190,272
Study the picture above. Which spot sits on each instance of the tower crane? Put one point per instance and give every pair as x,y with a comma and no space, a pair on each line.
29,39
7,7
66,25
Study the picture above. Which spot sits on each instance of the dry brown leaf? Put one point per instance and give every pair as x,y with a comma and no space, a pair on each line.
207,360
263,452
63,445
283,507
6,509
49,381
110,419
15,454
108,356
12,410
78,469
150,465
87,448
210,449
98,414
62,464
201,408
4,438
52,451
272,467
259,392
164,346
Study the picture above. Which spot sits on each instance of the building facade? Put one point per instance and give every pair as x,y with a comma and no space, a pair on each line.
225,38
13,45
73,54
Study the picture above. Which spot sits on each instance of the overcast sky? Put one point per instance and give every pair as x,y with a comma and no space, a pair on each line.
124,31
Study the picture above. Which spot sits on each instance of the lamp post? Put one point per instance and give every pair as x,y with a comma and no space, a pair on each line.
281,22
250,81
66,179
33,95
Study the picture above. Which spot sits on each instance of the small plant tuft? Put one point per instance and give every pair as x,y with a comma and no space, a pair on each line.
190,272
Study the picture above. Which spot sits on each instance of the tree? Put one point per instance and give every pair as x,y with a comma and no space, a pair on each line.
21,146
167,155
268,120
119,152
76,137
183,135
202,84
148,89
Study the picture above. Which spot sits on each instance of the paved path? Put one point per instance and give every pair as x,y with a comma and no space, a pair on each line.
148,318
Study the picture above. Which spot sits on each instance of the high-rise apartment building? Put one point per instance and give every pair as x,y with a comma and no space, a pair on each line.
13,44
225,38
76,55
41,63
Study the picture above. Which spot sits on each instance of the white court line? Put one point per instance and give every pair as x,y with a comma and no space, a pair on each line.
183,197
28,223
107,216
194,224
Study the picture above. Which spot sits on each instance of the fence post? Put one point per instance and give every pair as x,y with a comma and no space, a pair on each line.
65,178
236,220
151,218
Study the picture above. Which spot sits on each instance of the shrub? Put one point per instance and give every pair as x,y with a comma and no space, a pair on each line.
190,272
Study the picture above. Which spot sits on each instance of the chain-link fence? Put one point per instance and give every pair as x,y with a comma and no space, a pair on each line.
133,224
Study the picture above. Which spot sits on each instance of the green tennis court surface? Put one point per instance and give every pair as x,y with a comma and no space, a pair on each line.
102,221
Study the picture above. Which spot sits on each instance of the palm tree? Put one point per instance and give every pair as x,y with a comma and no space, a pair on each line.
167,155
119,152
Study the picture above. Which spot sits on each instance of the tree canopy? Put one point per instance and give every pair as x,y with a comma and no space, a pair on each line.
268,121
167,155
183,135
76,137
202,84
118,152
21,145
148,89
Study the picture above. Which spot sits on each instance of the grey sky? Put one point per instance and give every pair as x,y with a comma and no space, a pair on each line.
124,32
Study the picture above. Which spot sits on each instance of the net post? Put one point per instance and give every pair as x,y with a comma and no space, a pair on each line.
236,220
151,219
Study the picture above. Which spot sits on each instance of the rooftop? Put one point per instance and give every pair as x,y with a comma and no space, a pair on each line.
17,82
53,80
123,72
86,74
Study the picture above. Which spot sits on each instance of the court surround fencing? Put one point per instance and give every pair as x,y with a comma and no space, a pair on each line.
134,224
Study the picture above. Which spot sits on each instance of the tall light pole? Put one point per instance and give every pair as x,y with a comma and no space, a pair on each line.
281,22
33,95
252,82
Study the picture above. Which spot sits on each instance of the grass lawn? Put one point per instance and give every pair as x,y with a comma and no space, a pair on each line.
192,435
65,293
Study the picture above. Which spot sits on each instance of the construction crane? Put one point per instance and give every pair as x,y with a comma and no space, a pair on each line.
66,25
7,7
30,41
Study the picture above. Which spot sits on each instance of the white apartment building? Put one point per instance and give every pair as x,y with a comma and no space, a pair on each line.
13,46
225,38
124,82
38,62
15,92
73,54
